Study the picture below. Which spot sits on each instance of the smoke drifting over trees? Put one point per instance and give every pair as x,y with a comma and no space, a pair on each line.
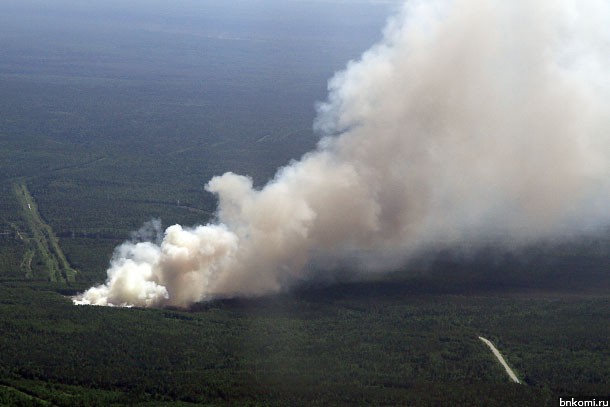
470,120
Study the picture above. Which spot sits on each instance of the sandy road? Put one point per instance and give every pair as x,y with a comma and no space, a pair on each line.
495,351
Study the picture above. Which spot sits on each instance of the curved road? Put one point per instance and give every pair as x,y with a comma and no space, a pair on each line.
495,351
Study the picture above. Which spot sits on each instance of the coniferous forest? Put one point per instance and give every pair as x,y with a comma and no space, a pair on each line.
115,114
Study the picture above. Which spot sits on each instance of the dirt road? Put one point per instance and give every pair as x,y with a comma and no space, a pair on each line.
495,351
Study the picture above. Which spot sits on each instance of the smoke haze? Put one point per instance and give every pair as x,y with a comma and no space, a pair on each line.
470,121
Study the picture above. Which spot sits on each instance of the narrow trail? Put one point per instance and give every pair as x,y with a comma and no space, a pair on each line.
498,355
27,395
43,240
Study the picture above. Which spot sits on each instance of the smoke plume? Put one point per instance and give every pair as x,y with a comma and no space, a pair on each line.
470,121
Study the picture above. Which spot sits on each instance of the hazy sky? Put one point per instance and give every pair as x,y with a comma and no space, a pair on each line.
185,11
42,34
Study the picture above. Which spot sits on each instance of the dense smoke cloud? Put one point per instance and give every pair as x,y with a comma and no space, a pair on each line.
470,120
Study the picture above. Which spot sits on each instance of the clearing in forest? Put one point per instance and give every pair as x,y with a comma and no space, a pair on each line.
42,240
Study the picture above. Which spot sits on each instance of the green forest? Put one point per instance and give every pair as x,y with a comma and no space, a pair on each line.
105,127
392,343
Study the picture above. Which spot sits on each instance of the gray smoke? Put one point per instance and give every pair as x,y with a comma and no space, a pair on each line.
470,120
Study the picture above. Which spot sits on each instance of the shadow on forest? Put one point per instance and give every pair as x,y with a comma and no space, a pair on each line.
574,268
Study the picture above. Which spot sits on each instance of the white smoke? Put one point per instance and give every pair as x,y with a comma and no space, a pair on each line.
470,120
